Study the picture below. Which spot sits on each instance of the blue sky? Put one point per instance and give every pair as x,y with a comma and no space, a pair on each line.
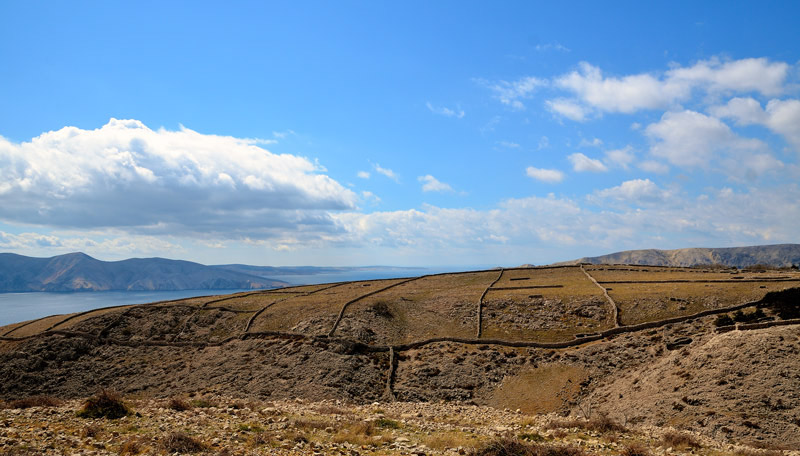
414,133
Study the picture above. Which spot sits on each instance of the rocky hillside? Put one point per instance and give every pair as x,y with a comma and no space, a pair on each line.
80,272
713,352
779,255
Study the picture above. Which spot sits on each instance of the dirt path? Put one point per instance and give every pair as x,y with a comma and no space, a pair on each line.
614,307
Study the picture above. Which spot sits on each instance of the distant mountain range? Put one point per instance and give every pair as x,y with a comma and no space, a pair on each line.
780,255
80,272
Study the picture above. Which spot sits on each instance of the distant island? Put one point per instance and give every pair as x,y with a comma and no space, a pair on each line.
777,255
80,272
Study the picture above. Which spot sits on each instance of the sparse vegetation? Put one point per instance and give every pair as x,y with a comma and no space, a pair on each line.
635,449
34,401
180,442
105,404
178,404
600,423
515,447
677,439
385,423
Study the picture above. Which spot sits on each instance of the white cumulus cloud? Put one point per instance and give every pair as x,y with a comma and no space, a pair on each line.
636,190
551,176
595,92
128,176
780,116
582,163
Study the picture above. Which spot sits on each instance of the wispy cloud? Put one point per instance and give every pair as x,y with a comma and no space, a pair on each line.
445,111
363,174
551,47
386,172
431,184
512,93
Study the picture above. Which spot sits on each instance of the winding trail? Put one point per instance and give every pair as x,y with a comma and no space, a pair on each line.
352,301
614,306
479,330
263,309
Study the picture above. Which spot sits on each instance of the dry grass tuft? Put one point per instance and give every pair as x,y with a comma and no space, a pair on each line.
445,440
132,446
262,438
179,442
677,439
178,404
514,447
34,401
600,423
635,449
356,433
105,404
92,431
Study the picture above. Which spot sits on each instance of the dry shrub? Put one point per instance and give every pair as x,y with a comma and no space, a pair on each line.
677,439
443,441
35,401
178,404
309,425
132,446
515,447
262,438
355,432
180,442
91,430
331,410
104,404
600,423
635,449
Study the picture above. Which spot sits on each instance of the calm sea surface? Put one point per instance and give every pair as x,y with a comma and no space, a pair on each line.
15,307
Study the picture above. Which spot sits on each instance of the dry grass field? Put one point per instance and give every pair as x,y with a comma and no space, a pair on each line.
435,306
544,304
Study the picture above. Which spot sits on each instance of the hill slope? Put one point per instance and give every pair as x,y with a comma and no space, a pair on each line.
80,272
780,255
646,345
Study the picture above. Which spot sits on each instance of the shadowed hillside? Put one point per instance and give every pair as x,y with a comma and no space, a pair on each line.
80,272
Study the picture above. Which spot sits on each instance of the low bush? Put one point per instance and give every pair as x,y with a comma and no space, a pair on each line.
34,401
132,446
386,423
635,449
515,447
92,431
677,439
599,423
723,320
178,404
105,404
180,442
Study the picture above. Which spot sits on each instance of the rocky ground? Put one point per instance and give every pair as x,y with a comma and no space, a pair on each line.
228,426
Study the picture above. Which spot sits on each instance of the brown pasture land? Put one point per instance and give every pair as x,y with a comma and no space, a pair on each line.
548,305
433,306
642,302
314,314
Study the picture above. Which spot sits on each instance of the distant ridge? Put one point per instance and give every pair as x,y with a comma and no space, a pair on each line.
778,255
80,272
